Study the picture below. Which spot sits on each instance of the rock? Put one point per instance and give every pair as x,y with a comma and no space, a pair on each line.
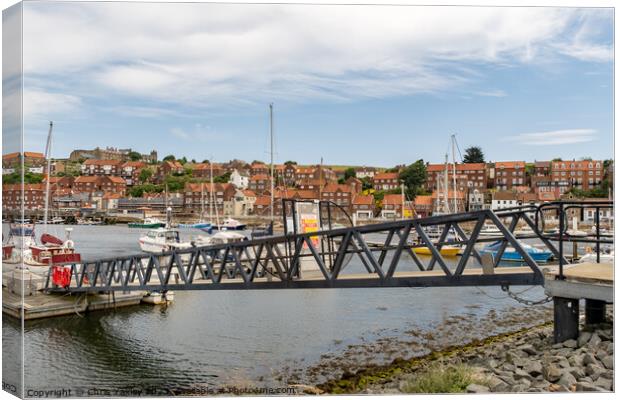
519,388
557,346
475,388
608,362
578,373
308,389
576,360
601,354
570,343
589,359
605,384
521,374
496,384
533,368
528,349
594,341
554,387
594,371
605,334
608,374
586,387
567,380
584,337
551,373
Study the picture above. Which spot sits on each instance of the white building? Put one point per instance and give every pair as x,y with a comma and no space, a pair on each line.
239,180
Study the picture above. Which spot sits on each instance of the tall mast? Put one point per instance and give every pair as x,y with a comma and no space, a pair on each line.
271,152
217,216
202,201
454,174
446,187
48,155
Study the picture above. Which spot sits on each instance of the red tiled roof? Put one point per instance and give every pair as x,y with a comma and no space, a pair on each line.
360,200
102,162
10,156
84,179
260,177
423,200
249,193
263,201
395,199
386,175
33,154
115,179
509,164
504,195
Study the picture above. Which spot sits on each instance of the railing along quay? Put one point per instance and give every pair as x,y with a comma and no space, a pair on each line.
322,259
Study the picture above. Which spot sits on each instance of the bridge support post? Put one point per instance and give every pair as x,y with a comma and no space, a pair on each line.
595,311
565,319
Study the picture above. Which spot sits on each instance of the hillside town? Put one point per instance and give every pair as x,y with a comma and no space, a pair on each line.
121,181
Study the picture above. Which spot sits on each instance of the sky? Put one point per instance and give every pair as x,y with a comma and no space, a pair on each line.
359,85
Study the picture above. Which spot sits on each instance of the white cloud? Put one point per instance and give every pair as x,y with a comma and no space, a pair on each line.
39,104
557,137
207,55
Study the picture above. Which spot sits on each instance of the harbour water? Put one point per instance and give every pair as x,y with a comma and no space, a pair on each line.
221,337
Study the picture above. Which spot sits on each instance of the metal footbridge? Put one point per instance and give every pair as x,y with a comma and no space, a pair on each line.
323,259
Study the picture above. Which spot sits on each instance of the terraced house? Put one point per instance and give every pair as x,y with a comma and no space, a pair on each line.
585,175
509,174
101,167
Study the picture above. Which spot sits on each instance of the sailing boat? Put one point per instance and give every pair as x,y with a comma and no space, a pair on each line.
52,250
268,230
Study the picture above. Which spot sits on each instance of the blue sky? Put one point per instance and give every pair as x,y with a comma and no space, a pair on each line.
354,85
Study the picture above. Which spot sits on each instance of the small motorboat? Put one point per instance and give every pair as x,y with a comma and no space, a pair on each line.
446,250
147,223
203,226
230,224
262,231
511,254
489,230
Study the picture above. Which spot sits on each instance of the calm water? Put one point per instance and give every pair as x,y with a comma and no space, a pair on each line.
217,337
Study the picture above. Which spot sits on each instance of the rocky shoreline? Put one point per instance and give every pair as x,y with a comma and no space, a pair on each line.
524,360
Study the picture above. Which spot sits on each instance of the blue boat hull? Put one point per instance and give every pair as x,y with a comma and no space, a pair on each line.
541,257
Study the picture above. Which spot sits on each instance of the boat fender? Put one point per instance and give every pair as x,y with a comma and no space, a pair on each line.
69,244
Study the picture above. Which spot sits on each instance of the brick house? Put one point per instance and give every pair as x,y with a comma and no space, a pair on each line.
86,184
363,207
259,168
130,171
509,174
341,195
221,195
310,184
58,183
289,174
585,175
260,184
392,207
112,184
542,168
33,196
203,170
33,162
386,181
320,174
423,206
468,176
262,205
355,184
168,168
101,167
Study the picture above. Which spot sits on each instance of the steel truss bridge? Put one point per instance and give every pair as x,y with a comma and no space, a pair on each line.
386,253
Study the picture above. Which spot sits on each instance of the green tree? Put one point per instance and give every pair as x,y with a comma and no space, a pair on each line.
349,173
169,157
473,155
366,183
414,177
145,175
222,178
183,160
290,163
134,156
557,159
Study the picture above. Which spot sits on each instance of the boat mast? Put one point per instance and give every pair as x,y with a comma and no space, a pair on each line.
453,140
271,152
445,188
212,195
48,155
202,201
